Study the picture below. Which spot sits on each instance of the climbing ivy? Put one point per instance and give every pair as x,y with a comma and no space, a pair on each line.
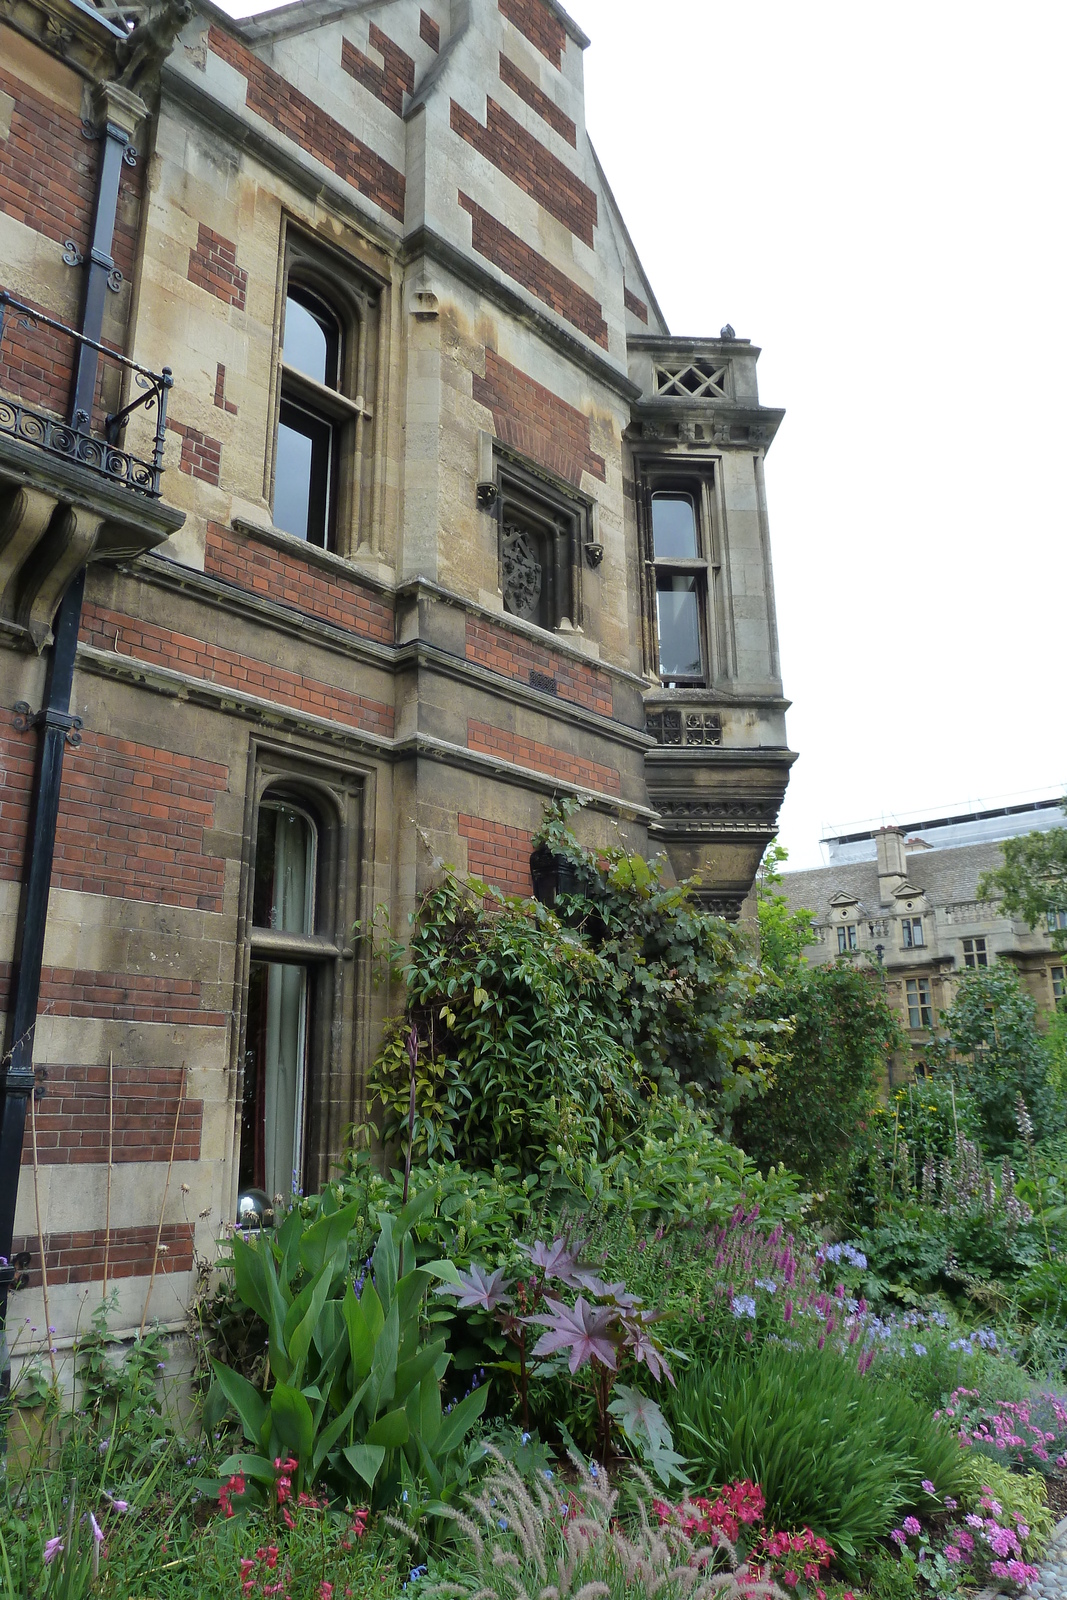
537,1026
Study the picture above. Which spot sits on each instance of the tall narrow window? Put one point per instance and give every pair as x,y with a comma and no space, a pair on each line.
846,938
681,587
912,932
306,462
1059,988
920,1011
275,1068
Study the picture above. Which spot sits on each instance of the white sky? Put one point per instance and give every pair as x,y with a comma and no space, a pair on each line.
874,194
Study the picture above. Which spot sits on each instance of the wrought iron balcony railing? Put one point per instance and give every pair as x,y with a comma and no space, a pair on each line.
75,441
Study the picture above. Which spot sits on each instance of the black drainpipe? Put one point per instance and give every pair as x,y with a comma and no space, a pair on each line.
55,724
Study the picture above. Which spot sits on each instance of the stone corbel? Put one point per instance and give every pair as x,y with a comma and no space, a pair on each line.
43,544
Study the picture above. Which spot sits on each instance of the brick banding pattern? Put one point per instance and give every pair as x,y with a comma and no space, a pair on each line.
515,656
293,114
523,159
232,669
537,422
389,83
132,820
537,100
242,560
536,22
220,391
72,1117
537,757
201,455
520,261
213,266
79,1257
638,307
429,32
497,854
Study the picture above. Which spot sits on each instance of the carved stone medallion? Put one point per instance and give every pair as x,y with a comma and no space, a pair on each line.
522,572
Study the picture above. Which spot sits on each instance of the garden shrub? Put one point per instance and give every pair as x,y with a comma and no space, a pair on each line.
823,1083
830,1449
538,1027
1022,1496
991,1047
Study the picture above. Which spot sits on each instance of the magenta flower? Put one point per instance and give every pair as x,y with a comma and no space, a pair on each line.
912,1526
53,1548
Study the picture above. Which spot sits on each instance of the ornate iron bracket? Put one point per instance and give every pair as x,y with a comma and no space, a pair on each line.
72,256
26,719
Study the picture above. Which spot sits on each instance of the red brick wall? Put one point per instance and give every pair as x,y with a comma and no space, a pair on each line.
515,656
47,168
293,114
36,363
132,820
79,1257
541,757
390,83
638,307
72,1117
523,159
536,98
429,32
288,579
220,390
213,266
532,419
498,854
522,262
233,669
17,758
201,455
540,25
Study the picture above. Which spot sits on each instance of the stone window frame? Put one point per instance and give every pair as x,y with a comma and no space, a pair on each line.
912,935
700,476
975,952
354,294
847,937
1058,980
340,797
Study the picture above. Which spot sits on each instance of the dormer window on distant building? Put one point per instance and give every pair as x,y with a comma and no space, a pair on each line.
911,932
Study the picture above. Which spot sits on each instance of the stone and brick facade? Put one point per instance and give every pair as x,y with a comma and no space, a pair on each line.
475,624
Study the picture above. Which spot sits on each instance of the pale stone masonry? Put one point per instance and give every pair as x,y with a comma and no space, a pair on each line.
905,900
449,524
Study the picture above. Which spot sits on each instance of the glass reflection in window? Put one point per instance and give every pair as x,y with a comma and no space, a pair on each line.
674,527
312,338
678,608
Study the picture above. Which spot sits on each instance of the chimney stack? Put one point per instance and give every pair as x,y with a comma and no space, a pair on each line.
892,863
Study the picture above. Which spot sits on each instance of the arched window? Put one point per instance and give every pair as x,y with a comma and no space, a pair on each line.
280,991
310,418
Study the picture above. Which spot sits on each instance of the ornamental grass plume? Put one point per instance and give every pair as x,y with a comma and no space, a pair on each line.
538,1541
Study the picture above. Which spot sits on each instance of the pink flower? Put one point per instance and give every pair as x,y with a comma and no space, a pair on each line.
53,1548
952,1554
912,1526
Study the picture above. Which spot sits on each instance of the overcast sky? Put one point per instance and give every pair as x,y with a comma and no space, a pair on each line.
874,194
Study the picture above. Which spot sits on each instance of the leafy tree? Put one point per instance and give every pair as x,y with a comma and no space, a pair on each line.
784,934
992,1047
843,1032
1033,879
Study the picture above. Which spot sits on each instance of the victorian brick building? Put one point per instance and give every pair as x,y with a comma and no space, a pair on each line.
397,511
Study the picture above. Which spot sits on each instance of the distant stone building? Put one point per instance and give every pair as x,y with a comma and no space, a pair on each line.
906,901
442,522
